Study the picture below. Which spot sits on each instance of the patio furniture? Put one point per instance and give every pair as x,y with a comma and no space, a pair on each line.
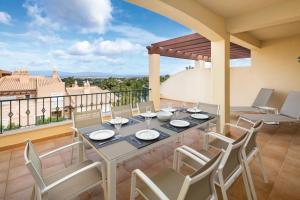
260,103
121,111
213,109
84,119
169,184
249,152
125,145
67,183
142,106
229,169
290,112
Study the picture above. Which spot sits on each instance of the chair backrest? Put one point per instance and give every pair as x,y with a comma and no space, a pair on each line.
291,105
200,185
122,111
263,97
142,106
232,158
210,108
33,163
87,118
250,143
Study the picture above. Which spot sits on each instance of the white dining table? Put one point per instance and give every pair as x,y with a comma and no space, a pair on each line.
121,150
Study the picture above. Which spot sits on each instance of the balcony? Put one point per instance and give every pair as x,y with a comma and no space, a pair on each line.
280,147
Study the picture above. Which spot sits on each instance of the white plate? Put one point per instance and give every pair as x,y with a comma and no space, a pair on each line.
123,120
199,116
147,134
151,114
193,110
179,123
169,109
101,134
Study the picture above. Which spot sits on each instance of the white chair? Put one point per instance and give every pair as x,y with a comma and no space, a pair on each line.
259,103
142,106
212,109
289,112
229,169
82,120
67,183
170,185
122,111
249,151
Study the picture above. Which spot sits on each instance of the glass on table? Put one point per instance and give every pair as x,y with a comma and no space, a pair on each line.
118,124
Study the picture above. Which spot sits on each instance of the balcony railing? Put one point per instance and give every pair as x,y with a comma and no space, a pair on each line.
20,113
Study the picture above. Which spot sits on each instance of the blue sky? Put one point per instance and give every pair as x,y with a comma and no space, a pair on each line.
84,35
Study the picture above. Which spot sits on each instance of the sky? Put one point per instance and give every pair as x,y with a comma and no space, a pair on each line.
108,36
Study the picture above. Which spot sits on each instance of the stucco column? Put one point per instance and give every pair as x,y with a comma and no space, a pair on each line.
154,79
220,57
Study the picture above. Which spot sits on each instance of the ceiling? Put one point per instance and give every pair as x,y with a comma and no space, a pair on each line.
275,32
232,8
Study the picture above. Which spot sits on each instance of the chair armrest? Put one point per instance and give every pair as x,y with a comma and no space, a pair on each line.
196,153
236,126
220,137
244,119
74,129
70,176
143,177
59,149
190,155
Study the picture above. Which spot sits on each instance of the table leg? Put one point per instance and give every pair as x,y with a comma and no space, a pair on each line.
111,180
218,125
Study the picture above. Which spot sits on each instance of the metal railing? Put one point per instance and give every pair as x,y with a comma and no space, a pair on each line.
20,113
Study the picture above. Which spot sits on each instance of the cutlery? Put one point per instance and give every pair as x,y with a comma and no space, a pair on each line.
116,138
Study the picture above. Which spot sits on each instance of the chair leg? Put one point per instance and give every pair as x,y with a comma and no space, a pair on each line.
261,166
205,142
222,186
250,180
104,180
132,187
246,183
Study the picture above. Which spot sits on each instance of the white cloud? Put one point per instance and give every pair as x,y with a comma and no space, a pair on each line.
81,48
87,16
5,18
135,34
118,46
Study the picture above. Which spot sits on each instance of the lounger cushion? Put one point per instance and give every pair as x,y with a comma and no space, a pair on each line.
263,97
268,118
246,109
70,188
291,106
169,182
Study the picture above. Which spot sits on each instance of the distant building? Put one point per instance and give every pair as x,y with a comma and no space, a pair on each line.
90,97
20,84
4,73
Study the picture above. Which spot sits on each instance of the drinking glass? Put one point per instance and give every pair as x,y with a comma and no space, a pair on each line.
148,121
118,124
184,106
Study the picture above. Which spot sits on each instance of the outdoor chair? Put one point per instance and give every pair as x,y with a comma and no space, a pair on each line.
230,168
82,120
290,112
249,152
212,109
169,184
67,183
259,104
142,106
122,111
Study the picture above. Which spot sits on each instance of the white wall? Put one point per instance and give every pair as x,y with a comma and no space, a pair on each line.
275,66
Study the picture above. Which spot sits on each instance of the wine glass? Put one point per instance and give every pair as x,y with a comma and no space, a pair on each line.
184,106
118,124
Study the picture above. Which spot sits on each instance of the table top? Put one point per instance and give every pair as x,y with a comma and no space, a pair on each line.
125,144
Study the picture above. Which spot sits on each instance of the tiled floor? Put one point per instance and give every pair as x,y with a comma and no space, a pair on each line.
280,150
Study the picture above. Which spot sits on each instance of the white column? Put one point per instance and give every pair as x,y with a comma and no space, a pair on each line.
220,57
154,79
